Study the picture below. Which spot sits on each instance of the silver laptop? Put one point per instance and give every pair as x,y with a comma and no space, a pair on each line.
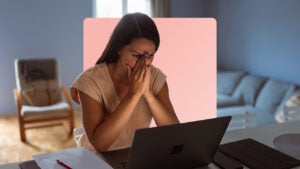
180,146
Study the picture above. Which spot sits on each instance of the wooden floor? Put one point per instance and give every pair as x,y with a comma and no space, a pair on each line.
39,140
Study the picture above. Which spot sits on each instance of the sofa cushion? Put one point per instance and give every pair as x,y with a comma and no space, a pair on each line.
264,118
236,110
227,101
242,116
228,80
249,88
271,95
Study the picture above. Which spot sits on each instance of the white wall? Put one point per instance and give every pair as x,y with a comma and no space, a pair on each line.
35,28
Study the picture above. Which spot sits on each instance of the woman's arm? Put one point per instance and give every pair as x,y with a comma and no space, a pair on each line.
161,107
74,94
103,130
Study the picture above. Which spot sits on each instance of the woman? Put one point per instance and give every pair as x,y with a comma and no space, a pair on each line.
123,91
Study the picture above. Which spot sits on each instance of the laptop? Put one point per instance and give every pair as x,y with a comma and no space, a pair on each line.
179,146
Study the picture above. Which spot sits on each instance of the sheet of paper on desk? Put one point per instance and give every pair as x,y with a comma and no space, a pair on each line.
76,158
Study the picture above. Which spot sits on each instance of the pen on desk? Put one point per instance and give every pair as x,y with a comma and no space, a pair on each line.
63,164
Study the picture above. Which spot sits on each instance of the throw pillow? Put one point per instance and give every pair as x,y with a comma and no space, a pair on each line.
227,81
291,110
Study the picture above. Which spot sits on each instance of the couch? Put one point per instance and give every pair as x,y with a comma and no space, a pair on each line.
251,100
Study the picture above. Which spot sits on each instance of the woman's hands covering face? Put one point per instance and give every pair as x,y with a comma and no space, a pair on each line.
139,77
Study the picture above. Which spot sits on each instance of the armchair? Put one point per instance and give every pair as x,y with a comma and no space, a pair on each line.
39,96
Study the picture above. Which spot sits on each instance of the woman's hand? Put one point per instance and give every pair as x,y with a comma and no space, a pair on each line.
139,78
147,90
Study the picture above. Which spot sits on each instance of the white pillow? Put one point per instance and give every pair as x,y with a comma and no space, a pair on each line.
291,110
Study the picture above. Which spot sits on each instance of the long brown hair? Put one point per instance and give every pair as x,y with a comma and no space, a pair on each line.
131,26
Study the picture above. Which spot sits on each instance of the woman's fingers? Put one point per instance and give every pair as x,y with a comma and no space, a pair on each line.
137,66
138,69
140,77
146,79
145,74
129,71
142,71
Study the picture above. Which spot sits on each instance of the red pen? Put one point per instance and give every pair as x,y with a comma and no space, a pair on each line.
63,164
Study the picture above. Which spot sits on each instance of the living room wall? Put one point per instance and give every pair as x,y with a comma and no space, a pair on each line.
40,29
258,36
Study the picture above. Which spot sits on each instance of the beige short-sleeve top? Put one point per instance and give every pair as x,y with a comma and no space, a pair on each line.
97,83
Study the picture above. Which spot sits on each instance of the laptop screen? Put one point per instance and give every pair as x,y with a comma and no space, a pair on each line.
185,145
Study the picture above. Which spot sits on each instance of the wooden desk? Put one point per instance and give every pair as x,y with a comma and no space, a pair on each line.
264,134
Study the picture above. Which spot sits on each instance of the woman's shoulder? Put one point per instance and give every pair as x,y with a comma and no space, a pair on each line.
156,71
95,73
95,70
158,79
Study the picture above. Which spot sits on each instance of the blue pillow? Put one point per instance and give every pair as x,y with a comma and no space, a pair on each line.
271,95
249,88
227,81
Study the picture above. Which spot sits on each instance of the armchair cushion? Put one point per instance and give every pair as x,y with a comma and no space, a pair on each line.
36,112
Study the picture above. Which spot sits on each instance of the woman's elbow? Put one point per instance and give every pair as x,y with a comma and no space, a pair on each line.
101,148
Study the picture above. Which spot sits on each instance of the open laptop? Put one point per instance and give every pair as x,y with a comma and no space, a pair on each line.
180,146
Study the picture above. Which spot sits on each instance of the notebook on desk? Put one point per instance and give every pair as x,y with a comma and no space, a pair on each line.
179,146
256,155
74,158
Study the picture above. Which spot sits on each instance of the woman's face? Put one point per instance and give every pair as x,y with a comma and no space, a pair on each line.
138,48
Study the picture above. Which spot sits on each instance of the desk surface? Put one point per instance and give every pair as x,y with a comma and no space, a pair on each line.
264,134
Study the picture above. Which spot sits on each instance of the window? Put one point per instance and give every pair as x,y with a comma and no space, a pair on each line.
117,8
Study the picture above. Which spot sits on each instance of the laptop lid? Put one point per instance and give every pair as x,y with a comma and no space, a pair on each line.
179,146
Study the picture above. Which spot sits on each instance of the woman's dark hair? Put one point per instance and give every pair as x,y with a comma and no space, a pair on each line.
131,26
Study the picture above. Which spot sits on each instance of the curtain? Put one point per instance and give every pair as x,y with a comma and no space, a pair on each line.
160,8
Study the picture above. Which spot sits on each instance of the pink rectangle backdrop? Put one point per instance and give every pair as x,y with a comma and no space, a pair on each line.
187,55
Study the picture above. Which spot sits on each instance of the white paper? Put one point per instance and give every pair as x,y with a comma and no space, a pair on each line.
76,158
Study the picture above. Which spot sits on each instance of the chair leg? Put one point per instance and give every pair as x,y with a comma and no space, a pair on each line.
71,120
22,132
